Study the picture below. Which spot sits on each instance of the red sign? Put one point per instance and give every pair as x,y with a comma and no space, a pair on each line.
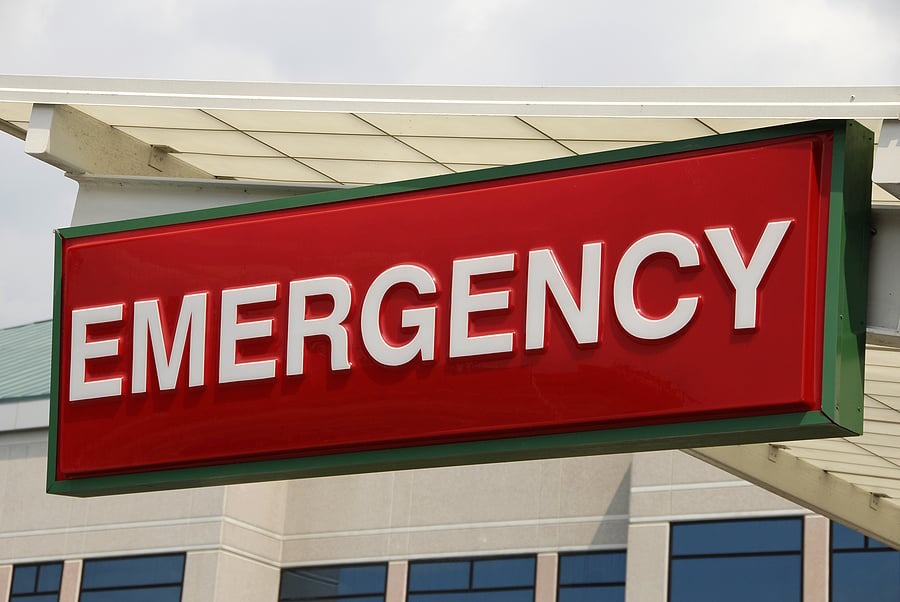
613,292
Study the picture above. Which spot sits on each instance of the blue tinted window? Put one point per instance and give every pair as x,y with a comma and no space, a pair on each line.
49,577
737,536
512,595
737,579
138,570
165,593
504,572
603,593
439,576
843,538
133,579
595,576
36,582
739,561
482,580
596,567
24,579
862,568
359,583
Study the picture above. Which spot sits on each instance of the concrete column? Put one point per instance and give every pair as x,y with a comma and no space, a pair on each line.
647,572
6,571
397,575
200,570
816,552
547,578
226,577
70,588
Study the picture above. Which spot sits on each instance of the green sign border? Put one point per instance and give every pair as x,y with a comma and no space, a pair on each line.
843,346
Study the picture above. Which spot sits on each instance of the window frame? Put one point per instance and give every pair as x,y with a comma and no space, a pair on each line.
34,593
574,586
383,593
866,549
471,560
149,586
800,553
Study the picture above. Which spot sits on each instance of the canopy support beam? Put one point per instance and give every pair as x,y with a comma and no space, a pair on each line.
773,467
79,144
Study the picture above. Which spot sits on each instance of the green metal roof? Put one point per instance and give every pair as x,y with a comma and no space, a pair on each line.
25,361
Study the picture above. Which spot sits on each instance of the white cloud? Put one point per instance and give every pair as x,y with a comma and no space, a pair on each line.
501,42
567,42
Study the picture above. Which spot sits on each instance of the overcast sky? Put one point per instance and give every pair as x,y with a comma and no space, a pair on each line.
504,42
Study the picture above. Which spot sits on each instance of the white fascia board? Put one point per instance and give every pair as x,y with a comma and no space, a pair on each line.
24,414
775,468
110,198
872,102
883,305
886,169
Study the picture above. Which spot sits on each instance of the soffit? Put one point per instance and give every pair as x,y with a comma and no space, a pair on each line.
870,461
348,134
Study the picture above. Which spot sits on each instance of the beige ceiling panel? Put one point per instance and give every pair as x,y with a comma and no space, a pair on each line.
609,128
727,126
872,438
204,141
481,151
15,111
454,126
584,147
873,402
295,122
884,425
876,478
375,172
827,445
882,196
882,356
883,414
882,373
154,117
462,167
874,466
280,169
333,146
877,388
888,452
856,455
889,401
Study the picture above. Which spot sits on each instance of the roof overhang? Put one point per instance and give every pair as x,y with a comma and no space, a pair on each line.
178,141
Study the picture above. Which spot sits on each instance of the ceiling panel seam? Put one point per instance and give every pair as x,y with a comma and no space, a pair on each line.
706,125
388,134
543,133
284,155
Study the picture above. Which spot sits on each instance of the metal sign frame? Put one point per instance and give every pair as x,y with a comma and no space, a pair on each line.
843,333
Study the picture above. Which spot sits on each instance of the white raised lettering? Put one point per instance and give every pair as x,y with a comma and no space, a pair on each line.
463,303
300,327
81,351
745,278
147,321
630,317
422,318
233,331
544,273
